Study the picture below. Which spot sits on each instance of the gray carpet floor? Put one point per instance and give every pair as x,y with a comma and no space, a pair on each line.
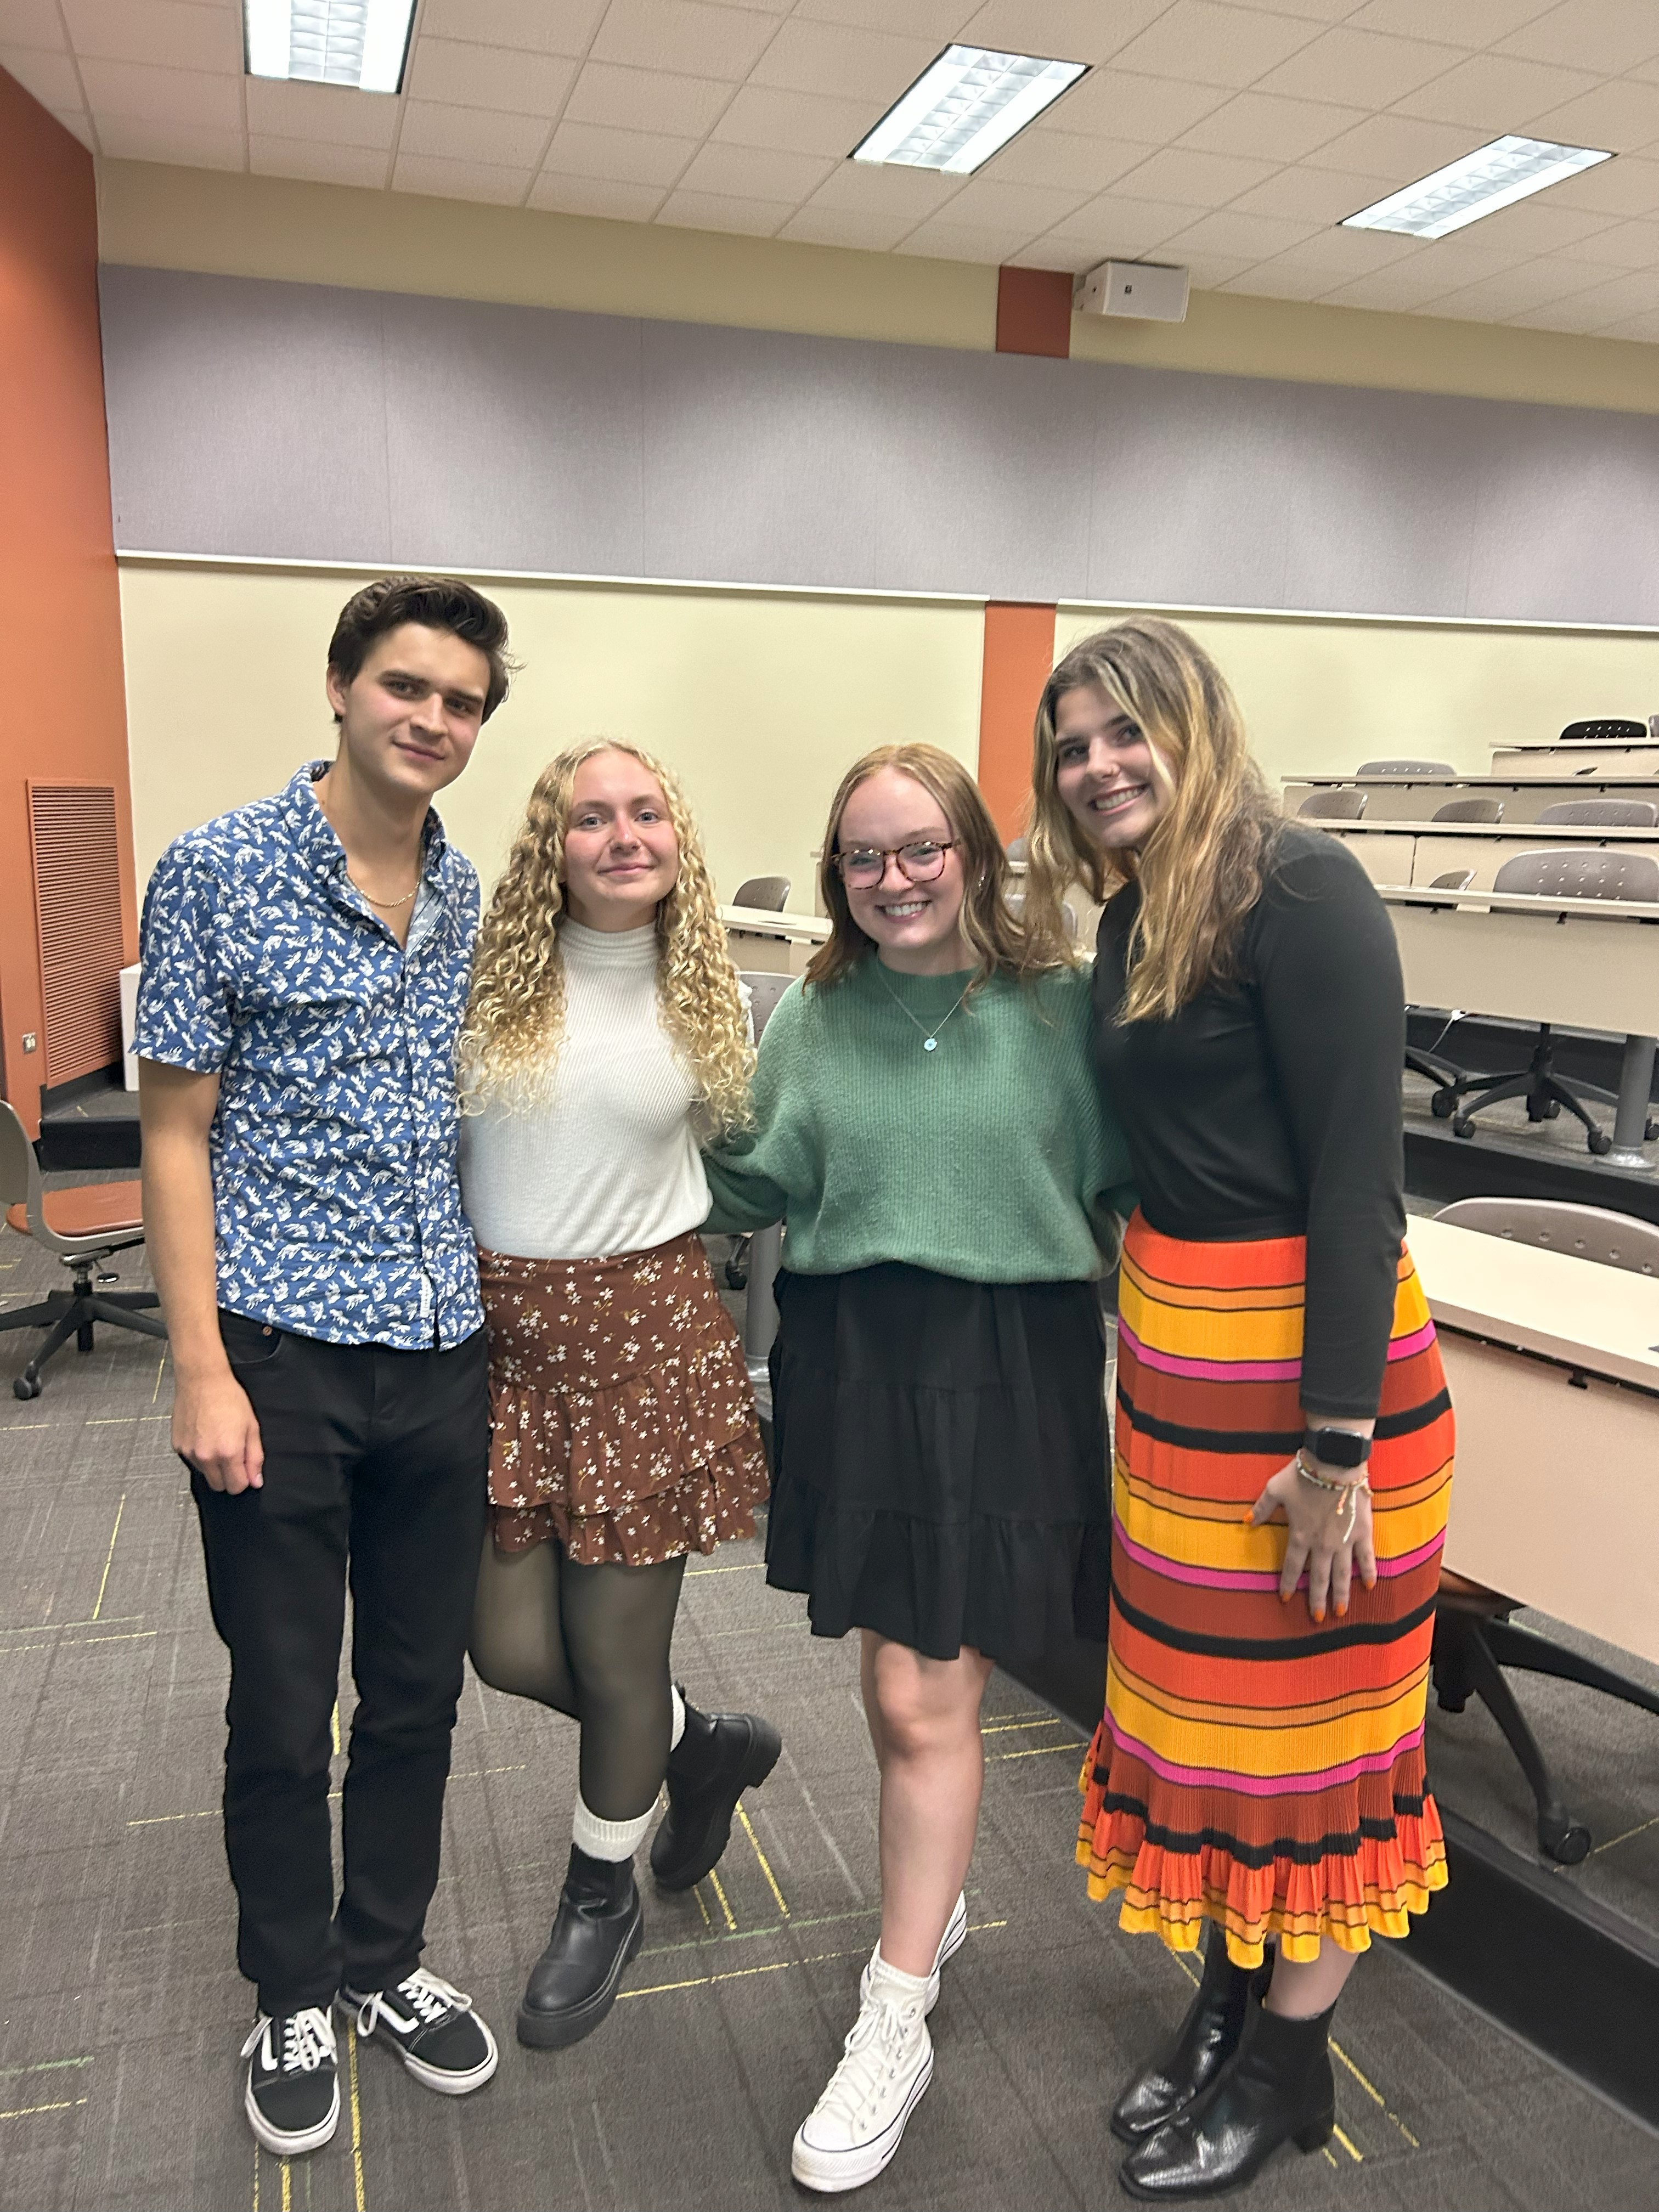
121,2011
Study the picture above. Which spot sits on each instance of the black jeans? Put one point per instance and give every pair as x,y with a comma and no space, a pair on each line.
375,1464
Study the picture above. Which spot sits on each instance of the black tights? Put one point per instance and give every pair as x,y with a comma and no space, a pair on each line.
592,1642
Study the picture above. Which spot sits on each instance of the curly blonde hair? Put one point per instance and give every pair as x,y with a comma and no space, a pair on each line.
510,1040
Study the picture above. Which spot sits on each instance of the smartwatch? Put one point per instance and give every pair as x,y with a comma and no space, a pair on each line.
1337,1447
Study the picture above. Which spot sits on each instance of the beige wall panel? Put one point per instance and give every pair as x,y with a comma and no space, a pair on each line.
759,701
1321,697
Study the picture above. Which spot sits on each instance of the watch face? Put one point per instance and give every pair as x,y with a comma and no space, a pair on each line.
1340,1447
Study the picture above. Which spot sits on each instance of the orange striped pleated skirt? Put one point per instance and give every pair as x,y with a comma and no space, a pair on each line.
1252,1767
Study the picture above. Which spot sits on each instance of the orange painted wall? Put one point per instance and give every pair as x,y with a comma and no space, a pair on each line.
60,610
1019,651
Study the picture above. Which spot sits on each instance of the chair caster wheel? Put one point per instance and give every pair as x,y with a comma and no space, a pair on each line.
1600,1142
1553,1111
1444,1104
1565,1840
26,1386
1461,1126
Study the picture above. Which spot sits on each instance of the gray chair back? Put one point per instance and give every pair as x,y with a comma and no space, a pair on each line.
1016,905
1454,879
1405,768
1611,813
1609,729
771,892
1469,809
1572,872
1344,805
18,1166
1585,1232
765,990
1019,852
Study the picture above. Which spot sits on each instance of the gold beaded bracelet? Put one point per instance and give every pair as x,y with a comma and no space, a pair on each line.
1350,1491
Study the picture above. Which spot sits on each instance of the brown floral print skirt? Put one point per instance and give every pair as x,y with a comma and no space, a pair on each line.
623,1421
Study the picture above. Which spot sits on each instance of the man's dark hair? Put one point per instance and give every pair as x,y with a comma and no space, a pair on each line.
436,603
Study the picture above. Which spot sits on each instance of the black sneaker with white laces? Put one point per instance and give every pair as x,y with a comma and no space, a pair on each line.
432,2028
292,2094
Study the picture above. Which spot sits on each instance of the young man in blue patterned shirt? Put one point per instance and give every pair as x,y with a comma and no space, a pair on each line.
305,969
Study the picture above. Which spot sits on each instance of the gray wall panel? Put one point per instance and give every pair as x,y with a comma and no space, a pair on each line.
256,418
512,437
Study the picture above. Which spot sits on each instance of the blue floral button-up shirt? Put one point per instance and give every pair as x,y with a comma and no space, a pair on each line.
337,1204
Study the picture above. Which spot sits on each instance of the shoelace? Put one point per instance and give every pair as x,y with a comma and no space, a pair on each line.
871,2052
428,1996
308,2041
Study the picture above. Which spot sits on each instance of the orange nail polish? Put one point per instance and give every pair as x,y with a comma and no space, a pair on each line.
1342,1612
1320,1615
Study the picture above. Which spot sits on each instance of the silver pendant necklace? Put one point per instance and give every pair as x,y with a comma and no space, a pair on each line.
929,1037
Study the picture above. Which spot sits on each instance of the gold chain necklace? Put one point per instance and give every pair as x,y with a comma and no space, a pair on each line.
929,1038
381,906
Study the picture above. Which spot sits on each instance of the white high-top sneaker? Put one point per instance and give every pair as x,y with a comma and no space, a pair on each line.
853,2131
955,1936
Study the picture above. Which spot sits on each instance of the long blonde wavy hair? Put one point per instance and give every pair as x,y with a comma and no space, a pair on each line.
510,1040
999,939
1201,869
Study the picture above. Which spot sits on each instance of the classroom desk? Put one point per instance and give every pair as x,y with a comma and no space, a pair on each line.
1405,851
772,944
1633,757
1414,799
1553,1367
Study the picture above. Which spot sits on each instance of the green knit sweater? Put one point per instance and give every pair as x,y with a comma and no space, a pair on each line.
992,1158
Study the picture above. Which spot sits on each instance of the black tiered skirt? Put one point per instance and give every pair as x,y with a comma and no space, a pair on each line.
941,1460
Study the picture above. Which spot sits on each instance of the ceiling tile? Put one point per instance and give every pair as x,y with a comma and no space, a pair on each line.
1471,23
1622,117
1359,67
1644,328
456,75
1148,111
1403,287
1514,291
1272,129
1397,146
173,33
1113,227
1061,30
332,114
1208,272
793,122
943,19
1327,196
1629,186
1251,238
1561,315
1058,250
617,203
755,173
1495,93
867,231
1637,294
1201,40
993,203
1277,280
1608,36
49,77
1309,272
855,65
1200,179
714,211
189,98
77,124
867,188
1042,156
1534,225
460,180
538,26
473,134
316,160
940,240
683,36
1624,246
647,100
620,157
1345,254
33,23
133,138
1315,11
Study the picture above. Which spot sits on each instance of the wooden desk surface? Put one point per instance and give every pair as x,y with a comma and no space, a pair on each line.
1604,1320
1539,834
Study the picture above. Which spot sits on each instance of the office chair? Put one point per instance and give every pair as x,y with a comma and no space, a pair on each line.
1016,904
765,989
86,1227
1609,729
1469,809
1604,813
1572,873
1474,1637
1018,852
1342,805
771,892
1405,768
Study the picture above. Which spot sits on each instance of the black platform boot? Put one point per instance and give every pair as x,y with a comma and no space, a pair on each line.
719,1756
1203,2043
596,1932
1276,2088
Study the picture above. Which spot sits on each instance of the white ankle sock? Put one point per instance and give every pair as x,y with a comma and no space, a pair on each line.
678,1728
608,1839
895,1978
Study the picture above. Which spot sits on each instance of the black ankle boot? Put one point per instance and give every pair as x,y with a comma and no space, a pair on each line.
1276,2088
1203,2043
596,1932
718,1758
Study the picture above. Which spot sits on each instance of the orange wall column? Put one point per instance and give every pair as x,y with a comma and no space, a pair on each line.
1034,315
60,606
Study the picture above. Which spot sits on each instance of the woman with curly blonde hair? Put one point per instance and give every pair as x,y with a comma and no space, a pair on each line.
606,1034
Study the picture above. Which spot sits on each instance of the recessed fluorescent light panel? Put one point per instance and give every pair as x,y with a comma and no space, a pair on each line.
1491,178
968,105
358,43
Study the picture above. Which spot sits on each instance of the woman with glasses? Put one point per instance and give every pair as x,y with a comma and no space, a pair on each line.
926,1124
1284,1437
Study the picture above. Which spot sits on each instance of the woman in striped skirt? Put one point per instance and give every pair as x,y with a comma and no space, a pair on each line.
1284,1436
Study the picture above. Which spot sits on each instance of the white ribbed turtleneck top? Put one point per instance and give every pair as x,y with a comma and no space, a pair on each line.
606,1162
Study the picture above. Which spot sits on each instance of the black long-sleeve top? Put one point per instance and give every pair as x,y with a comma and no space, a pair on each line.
1270,1105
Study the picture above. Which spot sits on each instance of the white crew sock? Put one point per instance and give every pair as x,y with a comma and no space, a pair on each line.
615,1840
678,1728
893,1979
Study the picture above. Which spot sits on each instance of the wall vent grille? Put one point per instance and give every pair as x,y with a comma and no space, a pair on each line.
73,841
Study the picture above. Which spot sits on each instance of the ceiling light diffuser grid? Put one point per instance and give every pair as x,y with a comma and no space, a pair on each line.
966,108
357,44
1479,184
